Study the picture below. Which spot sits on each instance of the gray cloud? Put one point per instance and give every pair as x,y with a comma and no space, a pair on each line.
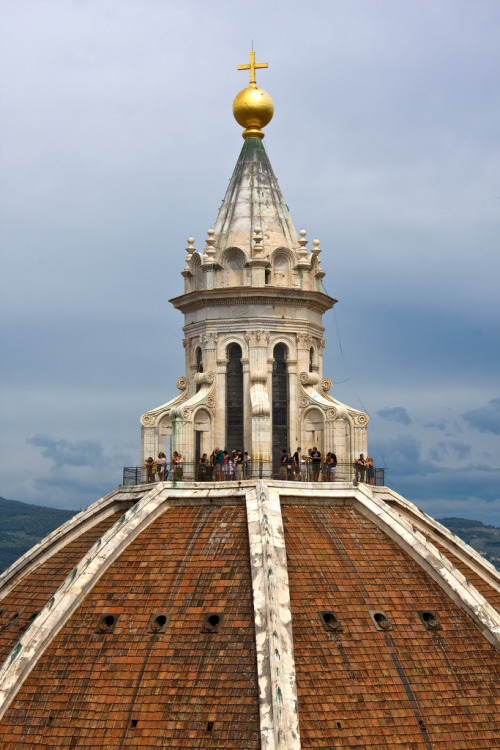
395,414
451,449
439,425
486,418
101,189
67,453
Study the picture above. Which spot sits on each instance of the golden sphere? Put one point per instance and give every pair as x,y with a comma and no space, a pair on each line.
253,108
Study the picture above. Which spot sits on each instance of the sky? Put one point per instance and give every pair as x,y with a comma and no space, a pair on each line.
117,143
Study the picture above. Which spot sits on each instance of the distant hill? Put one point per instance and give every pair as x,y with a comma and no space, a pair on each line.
23,525
484,538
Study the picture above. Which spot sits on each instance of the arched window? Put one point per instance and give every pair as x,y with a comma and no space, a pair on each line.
280,404
234,399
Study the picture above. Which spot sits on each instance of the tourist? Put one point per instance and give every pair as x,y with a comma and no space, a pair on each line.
370,470
326,468
238,463
296,464
177,464
203,468
303,467
150,465
284,460
332,467
247,465
316,463
161,463
360,468
219,464
227,466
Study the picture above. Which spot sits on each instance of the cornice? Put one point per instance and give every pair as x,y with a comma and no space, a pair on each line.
243,295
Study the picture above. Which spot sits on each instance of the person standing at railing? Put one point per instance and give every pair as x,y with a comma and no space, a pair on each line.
238,464
296,464
247,465
370,470
161,464
360,468
303,467
150,465
316,463
332,467
284,460
177,464
203,468
219,464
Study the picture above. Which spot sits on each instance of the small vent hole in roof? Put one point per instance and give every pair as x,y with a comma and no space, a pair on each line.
107,623
330,621
211,623
210,726
158,623
380,619
429,619
133,722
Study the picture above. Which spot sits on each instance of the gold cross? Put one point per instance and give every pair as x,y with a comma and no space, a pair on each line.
252,67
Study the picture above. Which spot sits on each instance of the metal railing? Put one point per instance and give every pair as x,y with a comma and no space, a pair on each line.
308,472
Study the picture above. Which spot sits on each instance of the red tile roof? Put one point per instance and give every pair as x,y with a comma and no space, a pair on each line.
360,687
33,591
137,688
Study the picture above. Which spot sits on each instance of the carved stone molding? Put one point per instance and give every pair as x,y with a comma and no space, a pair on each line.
331,414
360,419
303,402
186,414
147,420
258,375
182,383
326,384
304,340
309,378
202,417
210,402
210,339
257,338
204,377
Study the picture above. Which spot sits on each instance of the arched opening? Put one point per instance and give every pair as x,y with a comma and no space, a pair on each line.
234,399
279,404
197,271
199,365
281,269
202,432
311,359
234,268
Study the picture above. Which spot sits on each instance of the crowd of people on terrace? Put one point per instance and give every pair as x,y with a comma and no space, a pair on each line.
223,465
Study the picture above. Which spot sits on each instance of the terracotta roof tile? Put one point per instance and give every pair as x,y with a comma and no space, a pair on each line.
33,591
407,686
139,689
